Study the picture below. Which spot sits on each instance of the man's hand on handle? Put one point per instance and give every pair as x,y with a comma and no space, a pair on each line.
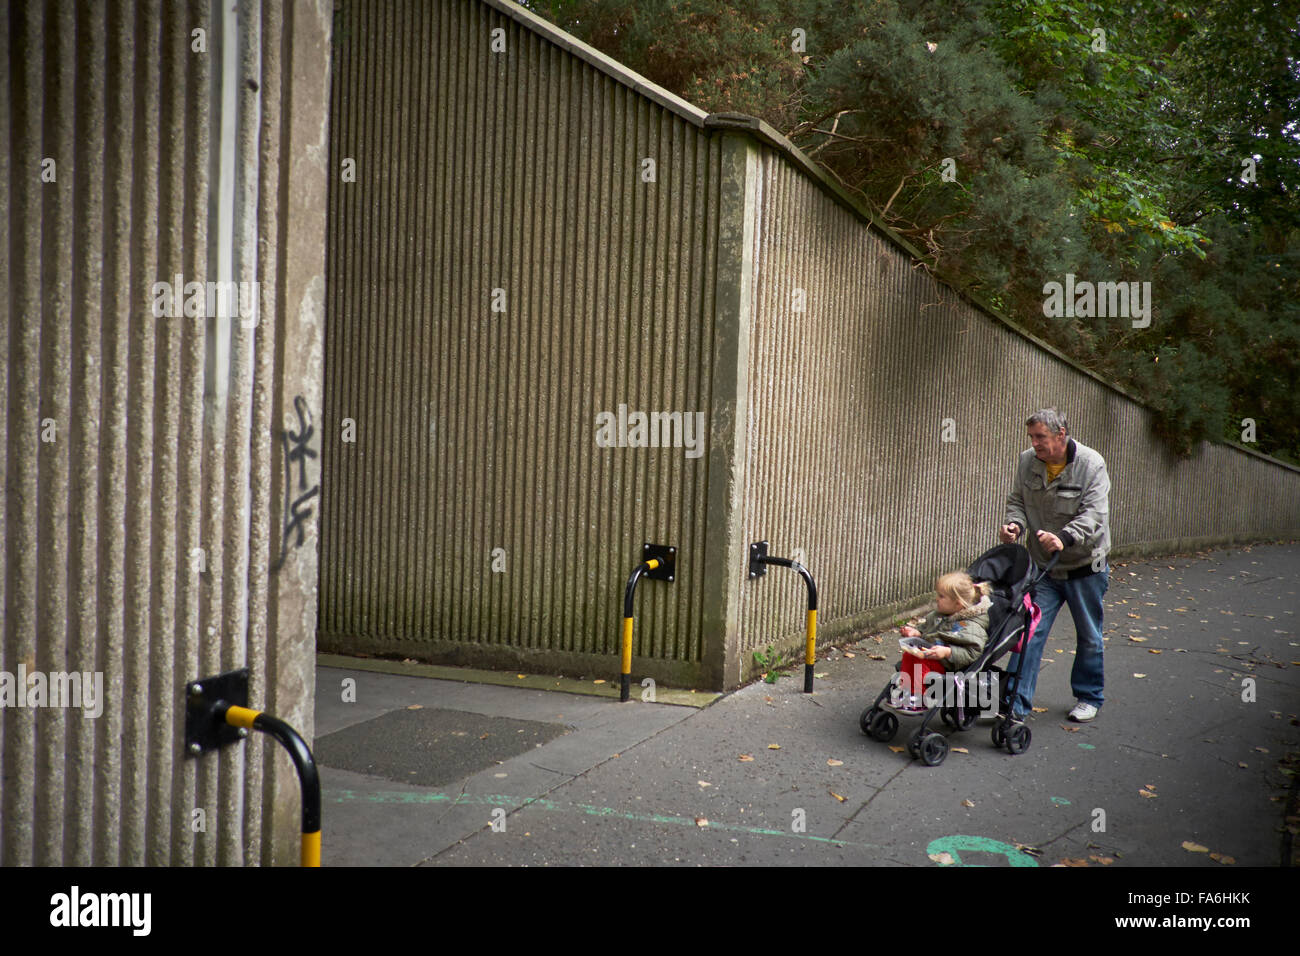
1050,542
1009,533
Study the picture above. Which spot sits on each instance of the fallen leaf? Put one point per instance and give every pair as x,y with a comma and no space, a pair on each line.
701,822
1131,614
820,676
960,750
967,803
847,654
1103,860
1220,858
1139,675
520,676
835,763
1262,750
1137,640
1243,765
415,707
943,859
1154,650
1151,786
704,783
773,746
1146,793
897,750
1191,847
876,657
837,796
1069,862
746,758
1069,730
1039,710
601,681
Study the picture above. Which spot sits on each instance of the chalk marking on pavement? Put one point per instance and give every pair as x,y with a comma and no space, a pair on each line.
501,800
977,844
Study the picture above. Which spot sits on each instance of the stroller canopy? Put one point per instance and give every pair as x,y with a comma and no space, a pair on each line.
1009,569
1005,567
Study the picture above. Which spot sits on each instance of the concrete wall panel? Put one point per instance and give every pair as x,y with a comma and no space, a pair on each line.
141,446
521,170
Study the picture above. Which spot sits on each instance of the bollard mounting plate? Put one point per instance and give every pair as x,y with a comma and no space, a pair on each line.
667,555
201,697
757,551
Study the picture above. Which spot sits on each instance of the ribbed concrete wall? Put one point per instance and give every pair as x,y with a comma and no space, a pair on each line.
459,439
521,170
144,466
845,450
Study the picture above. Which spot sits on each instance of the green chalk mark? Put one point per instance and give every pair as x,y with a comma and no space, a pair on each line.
1087,747
977,844
518,803
1061,801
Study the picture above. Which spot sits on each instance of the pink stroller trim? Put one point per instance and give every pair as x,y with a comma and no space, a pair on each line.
1028,634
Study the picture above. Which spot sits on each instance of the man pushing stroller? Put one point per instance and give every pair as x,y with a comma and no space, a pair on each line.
1060,495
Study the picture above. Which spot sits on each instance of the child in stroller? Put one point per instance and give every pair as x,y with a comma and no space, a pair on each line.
972,672
950,638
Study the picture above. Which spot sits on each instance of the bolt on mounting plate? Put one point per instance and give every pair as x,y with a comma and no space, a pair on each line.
203,731
667,556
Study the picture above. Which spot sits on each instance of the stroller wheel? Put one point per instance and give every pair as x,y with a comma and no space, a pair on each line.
1018,739
914,747
948,717
864,721
999,738
883,726
867,717
934,748
967,722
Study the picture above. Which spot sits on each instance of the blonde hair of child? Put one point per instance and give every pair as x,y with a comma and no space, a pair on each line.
959,586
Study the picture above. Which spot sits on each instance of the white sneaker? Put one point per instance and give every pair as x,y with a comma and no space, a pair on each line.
1083,712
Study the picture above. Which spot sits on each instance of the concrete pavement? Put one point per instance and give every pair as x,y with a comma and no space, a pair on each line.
1187,765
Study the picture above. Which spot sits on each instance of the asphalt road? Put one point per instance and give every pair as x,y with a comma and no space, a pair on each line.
1187,764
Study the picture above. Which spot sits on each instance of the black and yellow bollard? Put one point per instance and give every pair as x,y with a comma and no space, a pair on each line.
216,715
758,559
659,562
303,762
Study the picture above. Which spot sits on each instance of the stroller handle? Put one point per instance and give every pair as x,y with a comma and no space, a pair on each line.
1050,564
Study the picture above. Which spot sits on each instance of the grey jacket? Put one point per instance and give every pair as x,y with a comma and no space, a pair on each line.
965,632
1075,507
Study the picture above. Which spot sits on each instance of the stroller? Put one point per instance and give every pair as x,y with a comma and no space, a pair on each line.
1012,622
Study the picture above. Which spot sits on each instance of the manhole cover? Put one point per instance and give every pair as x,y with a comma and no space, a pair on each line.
430,747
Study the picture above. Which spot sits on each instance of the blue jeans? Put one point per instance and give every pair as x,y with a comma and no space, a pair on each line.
1087,679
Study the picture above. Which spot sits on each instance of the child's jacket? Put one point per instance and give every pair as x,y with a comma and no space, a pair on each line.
965,632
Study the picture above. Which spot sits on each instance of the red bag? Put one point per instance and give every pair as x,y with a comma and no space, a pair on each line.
913,674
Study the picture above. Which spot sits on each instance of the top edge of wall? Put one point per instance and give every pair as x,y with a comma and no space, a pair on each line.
607,65
766,134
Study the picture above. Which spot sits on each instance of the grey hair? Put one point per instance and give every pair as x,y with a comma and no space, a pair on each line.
1053,418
